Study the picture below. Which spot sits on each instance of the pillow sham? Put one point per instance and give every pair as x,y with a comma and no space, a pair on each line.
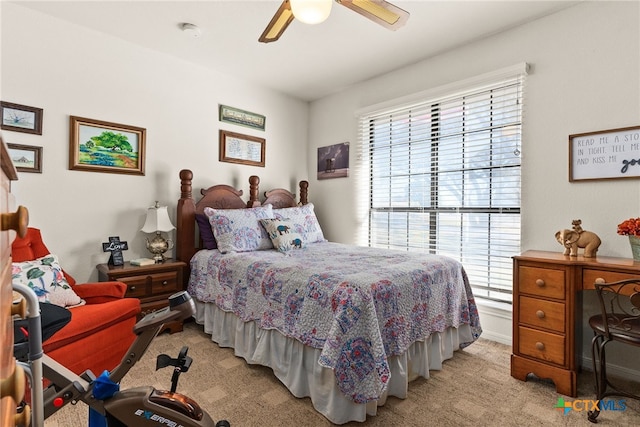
304,220
206,233
239,230
282,234
44,275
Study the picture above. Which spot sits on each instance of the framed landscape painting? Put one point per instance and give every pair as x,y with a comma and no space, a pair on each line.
26,158
99,146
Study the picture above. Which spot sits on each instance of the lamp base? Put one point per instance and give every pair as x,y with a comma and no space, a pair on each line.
158,246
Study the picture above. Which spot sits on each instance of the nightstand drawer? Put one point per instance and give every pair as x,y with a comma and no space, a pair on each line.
542,345
163,283
542,313
136,286
544,282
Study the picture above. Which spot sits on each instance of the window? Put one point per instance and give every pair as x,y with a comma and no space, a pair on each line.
444,178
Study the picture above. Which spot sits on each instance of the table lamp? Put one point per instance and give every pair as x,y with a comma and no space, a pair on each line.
157,222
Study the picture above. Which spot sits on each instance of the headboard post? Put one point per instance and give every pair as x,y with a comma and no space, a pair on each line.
254,197
304,192
186,219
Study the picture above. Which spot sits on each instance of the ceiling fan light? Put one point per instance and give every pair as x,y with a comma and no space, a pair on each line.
311,11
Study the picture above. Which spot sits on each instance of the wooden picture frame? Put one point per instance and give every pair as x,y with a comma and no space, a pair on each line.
605,154
241,117
26,158
242,149
99,146
21,118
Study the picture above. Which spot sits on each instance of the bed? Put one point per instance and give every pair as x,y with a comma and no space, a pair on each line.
347,326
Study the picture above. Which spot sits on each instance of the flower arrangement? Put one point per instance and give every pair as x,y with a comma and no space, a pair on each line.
629,227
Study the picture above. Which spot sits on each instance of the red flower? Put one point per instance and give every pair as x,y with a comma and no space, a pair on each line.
629,227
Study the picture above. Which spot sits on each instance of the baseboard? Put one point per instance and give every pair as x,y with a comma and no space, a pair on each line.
612,370
494,336
495,320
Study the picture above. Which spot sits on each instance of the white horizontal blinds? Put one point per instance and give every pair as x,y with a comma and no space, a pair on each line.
445,178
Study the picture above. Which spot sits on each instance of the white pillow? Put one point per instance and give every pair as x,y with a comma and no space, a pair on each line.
304,222
239,230
44,275
282,234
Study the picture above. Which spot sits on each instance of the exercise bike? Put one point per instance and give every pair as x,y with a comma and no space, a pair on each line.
139,406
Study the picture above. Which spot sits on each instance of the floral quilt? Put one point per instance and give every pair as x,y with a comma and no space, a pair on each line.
359,305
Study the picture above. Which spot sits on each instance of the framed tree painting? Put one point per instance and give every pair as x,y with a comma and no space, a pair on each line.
99,146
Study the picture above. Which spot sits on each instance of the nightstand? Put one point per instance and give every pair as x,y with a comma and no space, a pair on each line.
152,284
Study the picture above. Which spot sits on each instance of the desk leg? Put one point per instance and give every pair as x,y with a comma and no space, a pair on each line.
564,379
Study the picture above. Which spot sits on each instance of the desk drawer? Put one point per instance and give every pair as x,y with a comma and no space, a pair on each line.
542,345
542,313
589,277
544,282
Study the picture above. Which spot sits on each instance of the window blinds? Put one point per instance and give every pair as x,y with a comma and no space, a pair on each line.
444,178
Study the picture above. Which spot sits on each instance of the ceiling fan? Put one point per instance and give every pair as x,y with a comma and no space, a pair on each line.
315,11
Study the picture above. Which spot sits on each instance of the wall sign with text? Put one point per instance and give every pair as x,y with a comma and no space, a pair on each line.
607,154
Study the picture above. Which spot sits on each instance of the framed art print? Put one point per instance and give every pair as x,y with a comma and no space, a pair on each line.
21,118
99,146
26,158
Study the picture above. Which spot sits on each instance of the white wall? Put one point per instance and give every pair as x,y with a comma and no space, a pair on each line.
585,68
69,70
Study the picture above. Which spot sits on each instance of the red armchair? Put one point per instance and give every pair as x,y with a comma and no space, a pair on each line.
100,332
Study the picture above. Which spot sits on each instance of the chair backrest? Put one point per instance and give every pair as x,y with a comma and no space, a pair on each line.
619,304
31,247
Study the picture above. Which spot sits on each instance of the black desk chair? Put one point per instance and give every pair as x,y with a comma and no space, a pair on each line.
619,320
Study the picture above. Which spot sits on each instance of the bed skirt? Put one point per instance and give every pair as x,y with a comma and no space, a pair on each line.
297,367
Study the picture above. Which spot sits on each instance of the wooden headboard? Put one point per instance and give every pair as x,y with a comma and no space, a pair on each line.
221,197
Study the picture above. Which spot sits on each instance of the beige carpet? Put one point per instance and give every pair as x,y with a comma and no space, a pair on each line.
473,389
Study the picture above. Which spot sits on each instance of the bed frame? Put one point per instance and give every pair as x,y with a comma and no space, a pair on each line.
221,197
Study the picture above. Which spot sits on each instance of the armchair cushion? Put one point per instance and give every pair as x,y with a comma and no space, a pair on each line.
100,292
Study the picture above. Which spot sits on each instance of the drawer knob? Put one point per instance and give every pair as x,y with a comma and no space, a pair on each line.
540,283
17,221
540,346
14,385
600,280
165,283
540,314
132,288
24,417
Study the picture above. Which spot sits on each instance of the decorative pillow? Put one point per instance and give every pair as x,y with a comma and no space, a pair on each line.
44,275
239,230
282,234
206,233
304,221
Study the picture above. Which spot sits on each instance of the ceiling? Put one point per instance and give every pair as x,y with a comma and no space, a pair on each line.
309,61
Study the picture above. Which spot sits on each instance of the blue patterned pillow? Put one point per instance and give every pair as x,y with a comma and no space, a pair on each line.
282,234
304,222
239,230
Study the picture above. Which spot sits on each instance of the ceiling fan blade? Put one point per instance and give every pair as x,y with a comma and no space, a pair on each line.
278,23
379,11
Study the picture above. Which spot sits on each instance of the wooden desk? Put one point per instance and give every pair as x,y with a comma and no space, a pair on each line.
545,311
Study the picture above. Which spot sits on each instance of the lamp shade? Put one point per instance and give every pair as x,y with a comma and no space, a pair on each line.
311,11
157,220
